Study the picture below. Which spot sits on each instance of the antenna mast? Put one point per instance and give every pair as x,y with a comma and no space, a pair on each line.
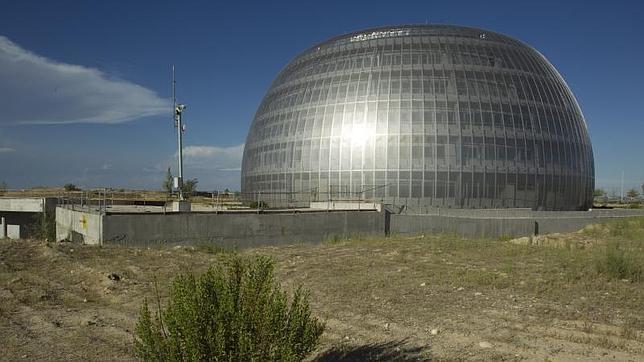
178,123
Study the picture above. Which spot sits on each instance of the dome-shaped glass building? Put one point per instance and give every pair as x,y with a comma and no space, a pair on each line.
426,115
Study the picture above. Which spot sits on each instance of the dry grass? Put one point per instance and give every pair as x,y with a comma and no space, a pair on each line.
397,298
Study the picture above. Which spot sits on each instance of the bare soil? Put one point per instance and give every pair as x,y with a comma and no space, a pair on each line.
421,298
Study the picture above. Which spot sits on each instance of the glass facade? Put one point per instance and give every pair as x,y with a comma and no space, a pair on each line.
434,115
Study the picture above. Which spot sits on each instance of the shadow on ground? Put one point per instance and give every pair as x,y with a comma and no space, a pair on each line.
386,351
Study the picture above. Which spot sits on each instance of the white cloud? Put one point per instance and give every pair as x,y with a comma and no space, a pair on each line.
215,167
214,158
35,89
6,150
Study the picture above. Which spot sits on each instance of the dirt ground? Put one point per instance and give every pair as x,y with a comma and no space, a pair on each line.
399,298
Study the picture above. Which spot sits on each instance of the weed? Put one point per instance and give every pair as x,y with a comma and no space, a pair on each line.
258,205
333,239
505,237
211,248
628,332
43,226
617,263
588,327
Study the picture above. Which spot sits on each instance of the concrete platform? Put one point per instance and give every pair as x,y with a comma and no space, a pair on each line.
27,204
145,225
241,228
21,214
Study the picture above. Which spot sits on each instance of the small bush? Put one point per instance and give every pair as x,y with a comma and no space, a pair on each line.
616,263
212,248
258,205
71,187
235,312
505,237
43,226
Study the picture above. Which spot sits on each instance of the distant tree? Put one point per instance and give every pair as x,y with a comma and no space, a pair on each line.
71,187
3,188
599,193
189,186
642,189
167,182
632,193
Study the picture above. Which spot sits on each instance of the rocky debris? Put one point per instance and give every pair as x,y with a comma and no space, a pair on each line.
478,294
87,322
554,240
484,344
5,293
115,277
434,332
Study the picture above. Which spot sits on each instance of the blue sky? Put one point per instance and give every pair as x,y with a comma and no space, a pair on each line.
85,85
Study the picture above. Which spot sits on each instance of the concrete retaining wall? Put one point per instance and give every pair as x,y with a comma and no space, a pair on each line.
79,226
344,205
247,229
533,223
239,229
466,226
22,204
27,204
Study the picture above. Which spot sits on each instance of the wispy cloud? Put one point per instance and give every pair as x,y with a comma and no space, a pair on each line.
6,150
214,157
215,167
38,90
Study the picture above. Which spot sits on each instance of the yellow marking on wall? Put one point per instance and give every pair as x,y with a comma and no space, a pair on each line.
83,221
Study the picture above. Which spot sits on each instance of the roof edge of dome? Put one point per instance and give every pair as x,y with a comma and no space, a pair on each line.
386,31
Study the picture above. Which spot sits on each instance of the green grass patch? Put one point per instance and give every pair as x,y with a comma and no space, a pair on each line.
617,263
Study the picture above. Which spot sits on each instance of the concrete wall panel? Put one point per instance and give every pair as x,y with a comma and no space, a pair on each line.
78,226
22,204
239,230
14,231
475,227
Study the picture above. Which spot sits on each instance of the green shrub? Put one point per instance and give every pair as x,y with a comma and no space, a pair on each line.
212,248
617,263
235,312
71,187
258,205
43,226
